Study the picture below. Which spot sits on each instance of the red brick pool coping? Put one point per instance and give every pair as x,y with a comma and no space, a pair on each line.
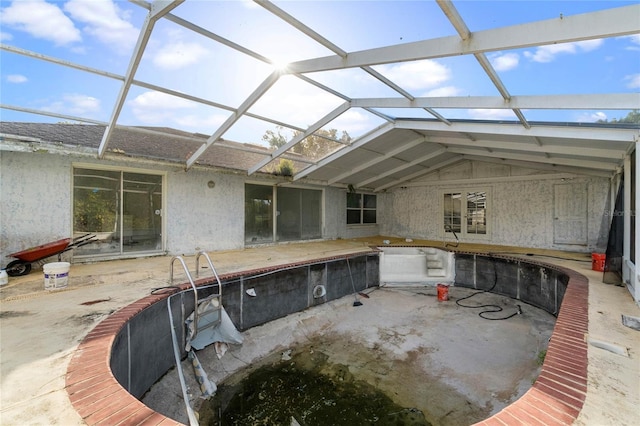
556,397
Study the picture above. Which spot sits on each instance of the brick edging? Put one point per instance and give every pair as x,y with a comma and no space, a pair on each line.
558,394
556,397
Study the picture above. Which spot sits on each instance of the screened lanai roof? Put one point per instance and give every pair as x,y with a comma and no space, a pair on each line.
409,87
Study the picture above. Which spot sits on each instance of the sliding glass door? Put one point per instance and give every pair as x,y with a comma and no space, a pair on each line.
122,209
298,214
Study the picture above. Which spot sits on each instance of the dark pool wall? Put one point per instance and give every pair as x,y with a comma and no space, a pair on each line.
538,285
142,351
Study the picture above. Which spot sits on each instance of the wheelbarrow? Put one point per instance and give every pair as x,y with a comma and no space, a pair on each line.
22,266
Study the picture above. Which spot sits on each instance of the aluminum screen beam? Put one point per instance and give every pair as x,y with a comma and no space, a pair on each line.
159,8
386,156
612,101
427,169
313,128
252,99
588,26
458,23
402,167
363,140
588,164
591,133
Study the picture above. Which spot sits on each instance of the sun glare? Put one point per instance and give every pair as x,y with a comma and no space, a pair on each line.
280,66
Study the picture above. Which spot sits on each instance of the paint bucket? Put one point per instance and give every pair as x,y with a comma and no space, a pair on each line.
4,277
597,261
56,275
443,292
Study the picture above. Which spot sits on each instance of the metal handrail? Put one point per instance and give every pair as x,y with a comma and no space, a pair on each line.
193,285
206,256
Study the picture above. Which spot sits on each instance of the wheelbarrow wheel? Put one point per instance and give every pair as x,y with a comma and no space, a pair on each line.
18,268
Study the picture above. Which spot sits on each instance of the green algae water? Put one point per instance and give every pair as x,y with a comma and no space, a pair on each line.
304,390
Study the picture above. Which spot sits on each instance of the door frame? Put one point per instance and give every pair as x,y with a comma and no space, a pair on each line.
464,235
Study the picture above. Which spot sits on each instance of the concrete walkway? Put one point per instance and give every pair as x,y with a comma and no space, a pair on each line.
40,330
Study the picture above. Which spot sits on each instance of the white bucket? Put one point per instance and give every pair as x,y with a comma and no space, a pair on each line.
56,275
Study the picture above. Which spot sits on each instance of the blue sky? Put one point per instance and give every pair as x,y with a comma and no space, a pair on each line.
102,34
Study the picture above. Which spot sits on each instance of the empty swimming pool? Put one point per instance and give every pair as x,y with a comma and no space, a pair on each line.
437,357
136,354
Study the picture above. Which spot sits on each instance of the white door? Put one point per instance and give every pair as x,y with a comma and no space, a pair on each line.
465,215
570,214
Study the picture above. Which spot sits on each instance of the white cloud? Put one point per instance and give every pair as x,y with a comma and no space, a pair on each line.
75,103
441,92
4,36
295,102
417,75
42,20
179,55
157,107
505,62
353,122
196,122
591,117
105,21
549,53
16,78
633,81
491,114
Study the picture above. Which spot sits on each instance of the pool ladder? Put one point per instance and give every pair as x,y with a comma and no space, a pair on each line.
211,308
217,294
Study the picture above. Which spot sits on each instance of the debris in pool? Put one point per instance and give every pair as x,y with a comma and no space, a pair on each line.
305,389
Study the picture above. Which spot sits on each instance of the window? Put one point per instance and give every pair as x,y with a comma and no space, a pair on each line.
298,214
361,208
123,210
465,214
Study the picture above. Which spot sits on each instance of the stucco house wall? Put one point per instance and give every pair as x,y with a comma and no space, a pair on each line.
521,203
36,193
35,198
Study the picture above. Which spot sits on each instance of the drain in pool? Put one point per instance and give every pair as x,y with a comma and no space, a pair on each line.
303,389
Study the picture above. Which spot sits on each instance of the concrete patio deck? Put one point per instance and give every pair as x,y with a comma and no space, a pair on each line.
40,330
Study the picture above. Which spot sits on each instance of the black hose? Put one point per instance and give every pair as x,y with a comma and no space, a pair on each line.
491,307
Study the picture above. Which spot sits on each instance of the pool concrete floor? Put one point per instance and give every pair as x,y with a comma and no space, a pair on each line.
40,330
437,357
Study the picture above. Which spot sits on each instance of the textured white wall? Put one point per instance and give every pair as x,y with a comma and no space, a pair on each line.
35,198
36,192
203,218
521,206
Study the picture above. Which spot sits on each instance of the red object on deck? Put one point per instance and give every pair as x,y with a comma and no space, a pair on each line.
597,261
40,252
443,292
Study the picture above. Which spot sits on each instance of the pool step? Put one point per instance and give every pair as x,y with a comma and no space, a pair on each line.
438,272
435,265
422,266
